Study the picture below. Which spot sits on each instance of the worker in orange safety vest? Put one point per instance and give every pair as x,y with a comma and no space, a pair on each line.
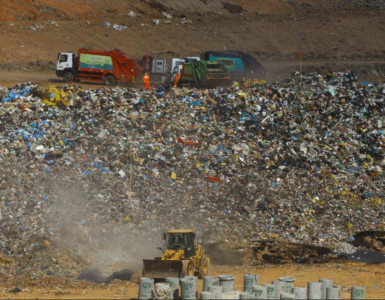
176,79
146,81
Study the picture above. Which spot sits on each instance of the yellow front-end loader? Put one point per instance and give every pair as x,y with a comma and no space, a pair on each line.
181,257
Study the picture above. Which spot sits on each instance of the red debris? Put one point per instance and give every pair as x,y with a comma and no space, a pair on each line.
186,142
214,179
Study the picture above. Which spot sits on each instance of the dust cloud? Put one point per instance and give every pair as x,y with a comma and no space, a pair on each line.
102,240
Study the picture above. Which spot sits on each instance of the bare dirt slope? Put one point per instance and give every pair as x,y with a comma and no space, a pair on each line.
32,32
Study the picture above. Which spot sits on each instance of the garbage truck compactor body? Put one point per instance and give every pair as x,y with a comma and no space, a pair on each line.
109,67
181,257
204,73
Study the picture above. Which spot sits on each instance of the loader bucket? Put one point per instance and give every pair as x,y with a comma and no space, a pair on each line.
158,269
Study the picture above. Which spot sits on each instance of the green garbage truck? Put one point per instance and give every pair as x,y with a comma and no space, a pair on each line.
204,73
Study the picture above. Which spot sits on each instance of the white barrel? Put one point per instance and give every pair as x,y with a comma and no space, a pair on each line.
289,283
173,282
358,292
252,296
287,296
195,282
145,288
260,291
326,283
314,290
207,296
189,288
217,290
281,287
249,280
209,280
333,293
271,291
227,283
300,293
244,296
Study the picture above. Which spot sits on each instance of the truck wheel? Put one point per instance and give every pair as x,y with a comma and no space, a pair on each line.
204,268
68,77
109,80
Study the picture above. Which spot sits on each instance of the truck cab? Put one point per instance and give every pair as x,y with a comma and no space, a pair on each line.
66,65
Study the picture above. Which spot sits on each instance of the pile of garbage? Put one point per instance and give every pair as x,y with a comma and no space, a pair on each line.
101,173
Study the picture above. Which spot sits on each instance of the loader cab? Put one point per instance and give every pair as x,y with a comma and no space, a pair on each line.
182,240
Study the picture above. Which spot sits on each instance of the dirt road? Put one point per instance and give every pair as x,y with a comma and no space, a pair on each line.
343,274
276,70
10,79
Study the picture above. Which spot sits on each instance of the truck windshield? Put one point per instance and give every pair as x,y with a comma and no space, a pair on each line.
176,240
215,66
226,62
63,58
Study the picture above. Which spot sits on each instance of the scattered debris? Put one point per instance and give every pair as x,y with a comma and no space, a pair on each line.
186,21
167,15
132,14
119,27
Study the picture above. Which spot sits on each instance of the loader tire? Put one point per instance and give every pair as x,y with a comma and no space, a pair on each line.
68,77
204,268
109,80
188,269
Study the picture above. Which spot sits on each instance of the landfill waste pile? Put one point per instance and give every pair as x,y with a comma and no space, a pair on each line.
278,253
98,175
